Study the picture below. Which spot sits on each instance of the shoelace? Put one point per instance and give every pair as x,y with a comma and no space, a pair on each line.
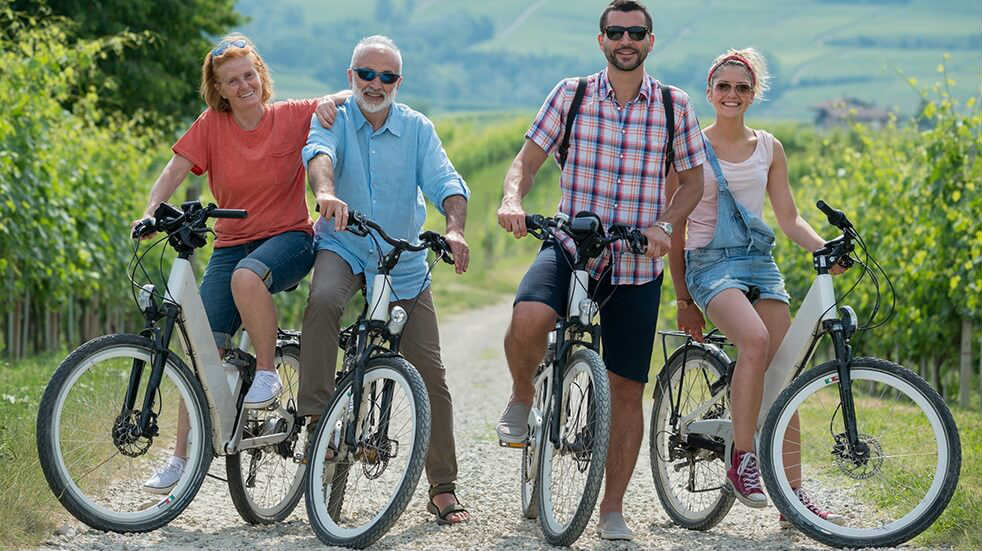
748,472
807,502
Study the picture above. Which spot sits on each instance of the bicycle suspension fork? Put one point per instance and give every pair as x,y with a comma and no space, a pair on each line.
843,358
161,350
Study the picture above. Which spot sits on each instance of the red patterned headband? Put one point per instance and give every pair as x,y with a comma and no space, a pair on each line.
733,57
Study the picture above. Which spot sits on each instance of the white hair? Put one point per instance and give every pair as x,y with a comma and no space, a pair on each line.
376,41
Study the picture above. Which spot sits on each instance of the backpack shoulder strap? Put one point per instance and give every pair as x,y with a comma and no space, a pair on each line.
574,108
666,98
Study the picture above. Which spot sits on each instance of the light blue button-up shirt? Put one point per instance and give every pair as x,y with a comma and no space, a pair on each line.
384,174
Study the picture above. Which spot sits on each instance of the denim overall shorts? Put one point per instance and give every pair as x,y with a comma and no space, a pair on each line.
739,255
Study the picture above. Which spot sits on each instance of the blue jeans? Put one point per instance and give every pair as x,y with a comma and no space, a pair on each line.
280,261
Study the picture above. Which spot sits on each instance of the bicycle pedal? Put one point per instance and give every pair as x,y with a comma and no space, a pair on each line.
516,445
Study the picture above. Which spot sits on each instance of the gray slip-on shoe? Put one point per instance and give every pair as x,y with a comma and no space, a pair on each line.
613,527
513,427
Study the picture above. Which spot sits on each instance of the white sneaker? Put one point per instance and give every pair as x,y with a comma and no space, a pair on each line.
266,387
611,526
166,477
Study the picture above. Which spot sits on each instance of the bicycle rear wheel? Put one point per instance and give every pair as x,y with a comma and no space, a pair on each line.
570,472
266,483
888,490
690,479
91,459
531,452
354,497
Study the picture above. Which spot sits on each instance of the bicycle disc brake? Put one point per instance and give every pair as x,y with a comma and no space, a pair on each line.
863,462
128,438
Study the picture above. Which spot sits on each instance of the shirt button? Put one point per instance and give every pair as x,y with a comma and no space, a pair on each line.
618,180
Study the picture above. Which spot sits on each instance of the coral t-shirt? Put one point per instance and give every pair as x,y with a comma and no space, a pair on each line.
258,170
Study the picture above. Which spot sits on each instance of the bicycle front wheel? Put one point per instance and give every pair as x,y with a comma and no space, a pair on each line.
266,483
355,493
690,478
87,444
888,488
532,449
572,468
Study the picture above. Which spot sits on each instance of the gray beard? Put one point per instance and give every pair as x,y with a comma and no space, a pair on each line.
370,107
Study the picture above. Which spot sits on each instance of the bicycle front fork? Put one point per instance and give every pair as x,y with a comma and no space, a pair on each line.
856,449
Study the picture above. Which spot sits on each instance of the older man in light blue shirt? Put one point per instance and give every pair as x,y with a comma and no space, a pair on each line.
382,158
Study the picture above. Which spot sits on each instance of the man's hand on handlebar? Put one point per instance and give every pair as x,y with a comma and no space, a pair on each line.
332,207
142,228
460,250
658,242
511,217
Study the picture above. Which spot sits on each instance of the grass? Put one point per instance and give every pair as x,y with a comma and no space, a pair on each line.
29,511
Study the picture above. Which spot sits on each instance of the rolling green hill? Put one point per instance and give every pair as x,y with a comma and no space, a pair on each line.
464,55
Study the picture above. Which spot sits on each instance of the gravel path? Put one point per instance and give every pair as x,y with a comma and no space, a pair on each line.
488,482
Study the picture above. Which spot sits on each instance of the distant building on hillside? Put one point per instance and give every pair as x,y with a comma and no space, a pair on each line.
845,110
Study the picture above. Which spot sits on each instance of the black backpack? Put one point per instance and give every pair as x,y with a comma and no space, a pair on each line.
574,108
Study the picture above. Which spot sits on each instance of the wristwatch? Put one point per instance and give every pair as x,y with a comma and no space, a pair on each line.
665,227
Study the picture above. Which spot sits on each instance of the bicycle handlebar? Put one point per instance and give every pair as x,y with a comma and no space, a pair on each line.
359,224
836,217
541,227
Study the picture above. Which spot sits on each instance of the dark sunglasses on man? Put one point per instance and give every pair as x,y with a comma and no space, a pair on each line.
226,44
368,75
616,32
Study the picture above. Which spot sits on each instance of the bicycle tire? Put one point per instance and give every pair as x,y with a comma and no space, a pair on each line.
590,432
276,467
411,409
531,452
894,446
666,444
98,496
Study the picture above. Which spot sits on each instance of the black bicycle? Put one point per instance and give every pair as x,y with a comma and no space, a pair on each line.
370,444
565,454
871,440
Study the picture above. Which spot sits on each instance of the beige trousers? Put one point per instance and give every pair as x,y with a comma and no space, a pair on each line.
332,285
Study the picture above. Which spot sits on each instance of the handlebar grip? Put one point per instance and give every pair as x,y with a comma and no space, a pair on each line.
534,221
836,217
144,227
228,213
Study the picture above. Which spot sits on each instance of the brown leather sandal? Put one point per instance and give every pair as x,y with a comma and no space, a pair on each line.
442,514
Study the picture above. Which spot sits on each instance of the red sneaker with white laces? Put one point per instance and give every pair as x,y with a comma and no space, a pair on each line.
805,500
744,478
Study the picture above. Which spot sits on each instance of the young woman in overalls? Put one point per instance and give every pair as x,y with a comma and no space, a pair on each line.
724,266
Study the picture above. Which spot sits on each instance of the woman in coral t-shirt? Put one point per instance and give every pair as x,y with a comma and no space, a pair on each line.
250,149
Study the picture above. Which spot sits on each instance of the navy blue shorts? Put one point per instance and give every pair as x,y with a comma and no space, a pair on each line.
628,313
281,261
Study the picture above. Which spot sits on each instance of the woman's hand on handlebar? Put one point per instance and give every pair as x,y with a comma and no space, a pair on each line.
460,250
140,228
511,217
332,207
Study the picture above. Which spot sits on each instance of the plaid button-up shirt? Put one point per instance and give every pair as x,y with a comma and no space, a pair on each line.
616,161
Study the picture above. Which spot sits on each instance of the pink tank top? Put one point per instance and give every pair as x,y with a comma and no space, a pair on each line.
747,181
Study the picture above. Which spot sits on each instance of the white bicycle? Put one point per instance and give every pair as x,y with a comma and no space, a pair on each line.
877,443
109,415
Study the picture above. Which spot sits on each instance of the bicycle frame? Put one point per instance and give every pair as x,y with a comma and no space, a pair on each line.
221,382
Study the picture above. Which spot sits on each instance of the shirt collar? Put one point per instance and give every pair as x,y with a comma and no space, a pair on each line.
394,123
605,89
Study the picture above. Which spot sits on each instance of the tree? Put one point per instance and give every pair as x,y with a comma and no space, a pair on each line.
159,75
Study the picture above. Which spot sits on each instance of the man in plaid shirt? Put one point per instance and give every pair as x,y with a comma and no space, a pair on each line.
615,168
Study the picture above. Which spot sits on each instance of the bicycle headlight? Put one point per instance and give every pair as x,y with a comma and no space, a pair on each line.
588,309
397,320
145,298
849,319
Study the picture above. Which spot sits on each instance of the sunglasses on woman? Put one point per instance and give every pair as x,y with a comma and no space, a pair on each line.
225,45
368,75
616,32
724,88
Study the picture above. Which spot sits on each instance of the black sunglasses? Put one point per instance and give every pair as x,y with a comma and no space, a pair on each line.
616,32
225,45
368,75
724,88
